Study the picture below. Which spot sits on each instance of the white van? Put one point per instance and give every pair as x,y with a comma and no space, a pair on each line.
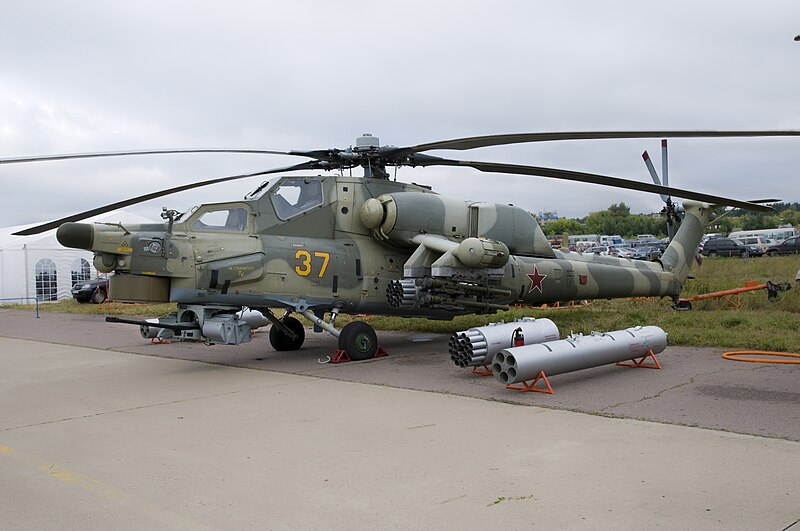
613,239
780,233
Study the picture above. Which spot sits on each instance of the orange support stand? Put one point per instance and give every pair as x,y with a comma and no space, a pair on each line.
482,371
639,364
727,295
530,386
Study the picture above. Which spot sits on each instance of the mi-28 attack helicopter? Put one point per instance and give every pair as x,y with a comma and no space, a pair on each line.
322,245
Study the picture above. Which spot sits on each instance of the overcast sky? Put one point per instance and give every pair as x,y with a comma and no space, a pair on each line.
108,75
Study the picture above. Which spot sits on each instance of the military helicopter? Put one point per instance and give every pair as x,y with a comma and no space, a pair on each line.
331,243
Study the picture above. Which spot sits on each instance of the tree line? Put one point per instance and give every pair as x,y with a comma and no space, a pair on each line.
617,219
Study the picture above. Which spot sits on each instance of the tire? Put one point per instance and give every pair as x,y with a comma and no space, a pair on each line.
281,341
359,340
682,306
98,296
772,253
712,253
744,254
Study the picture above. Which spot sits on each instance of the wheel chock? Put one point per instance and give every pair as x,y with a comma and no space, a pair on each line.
530,386
160,341
340,356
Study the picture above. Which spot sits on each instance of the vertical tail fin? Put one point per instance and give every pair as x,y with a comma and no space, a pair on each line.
680,254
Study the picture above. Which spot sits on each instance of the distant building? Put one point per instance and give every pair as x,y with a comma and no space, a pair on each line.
546,217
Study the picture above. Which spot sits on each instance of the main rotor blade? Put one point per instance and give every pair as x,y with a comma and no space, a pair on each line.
40,158
500,140
763,200
154,195
593,178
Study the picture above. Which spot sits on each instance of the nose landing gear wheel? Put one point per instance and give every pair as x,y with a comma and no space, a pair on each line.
359,340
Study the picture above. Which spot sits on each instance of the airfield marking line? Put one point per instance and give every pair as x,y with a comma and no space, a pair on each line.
91,485
55,471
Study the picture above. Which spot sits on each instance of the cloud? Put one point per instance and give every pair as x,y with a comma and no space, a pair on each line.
308,75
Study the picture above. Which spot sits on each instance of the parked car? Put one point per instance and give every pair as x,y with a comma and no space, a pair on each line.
758,241
648,253
599,249
610,250
788,246
729,247
623,252
94,290
645,239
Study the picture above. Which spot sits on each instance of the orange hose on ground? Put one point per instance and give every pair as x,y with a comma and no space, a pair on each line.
735,356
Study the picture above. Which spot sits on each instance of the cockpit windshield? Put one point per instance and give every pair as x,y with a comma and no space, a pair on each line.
223,219
293,196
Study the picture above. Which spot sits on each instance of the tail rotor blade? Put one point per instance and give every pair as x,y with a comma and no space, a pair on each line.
653,173
664,162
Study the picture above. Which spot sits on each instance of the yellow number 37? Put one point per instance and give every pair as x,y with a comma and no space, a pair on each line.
304,268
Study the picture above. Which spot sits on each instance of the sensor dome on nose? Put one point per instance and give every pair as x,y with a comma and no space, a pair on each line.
75,235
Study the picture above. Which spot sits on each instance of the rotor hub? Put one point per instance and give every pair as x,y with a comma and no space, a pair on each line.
367,142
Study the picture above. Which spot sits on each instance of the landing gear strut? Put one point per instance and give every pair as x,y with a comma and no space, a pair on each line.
357,339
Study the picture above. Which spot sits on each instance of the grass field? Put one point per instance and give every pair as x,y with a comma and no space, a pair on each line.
758,324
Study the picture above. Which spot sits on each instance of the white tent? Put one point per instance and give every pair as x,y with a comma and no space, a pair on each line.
39,267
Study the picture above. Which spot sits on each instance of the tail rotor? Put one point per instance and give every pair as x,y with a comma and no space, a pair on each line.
671,211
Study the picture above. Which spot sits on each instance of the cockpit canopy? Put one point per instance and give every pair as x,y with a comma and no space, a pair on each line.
291,196
224,218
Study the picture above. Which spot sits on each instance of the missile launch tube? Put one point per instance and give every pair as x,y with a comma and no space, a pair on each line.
521,364
477,346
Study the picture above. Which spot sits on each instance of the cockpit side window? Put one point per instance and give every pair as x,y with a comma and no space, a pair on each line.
295,196
227,220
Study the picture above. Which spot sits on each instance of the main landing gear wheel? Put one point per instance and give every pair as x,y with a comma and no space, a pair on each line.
359,340
281,341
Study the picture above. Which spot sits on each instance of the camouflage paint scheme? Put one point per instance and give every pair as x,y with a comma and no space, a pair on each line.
362,239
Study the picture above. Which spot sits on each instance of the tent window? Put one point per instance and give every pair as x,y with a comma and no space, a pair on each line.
46,280
80,271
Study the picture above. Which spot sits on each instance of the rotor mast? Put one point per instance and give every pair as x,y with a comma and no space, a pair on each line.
368,149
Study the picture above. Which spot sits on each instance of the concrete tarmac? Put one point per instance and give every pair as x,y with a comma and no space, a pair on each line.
102,430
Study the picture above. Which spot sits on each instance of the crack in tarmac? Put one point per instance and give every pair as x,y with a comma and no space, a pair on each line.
692,380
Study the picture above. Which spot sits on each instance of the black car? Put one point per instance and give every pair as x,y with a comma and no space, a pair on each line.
90,291
729,247
788,246
648,252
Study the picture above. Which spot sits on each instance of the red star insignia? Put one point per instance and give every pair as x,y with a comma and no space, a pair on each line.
536,279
